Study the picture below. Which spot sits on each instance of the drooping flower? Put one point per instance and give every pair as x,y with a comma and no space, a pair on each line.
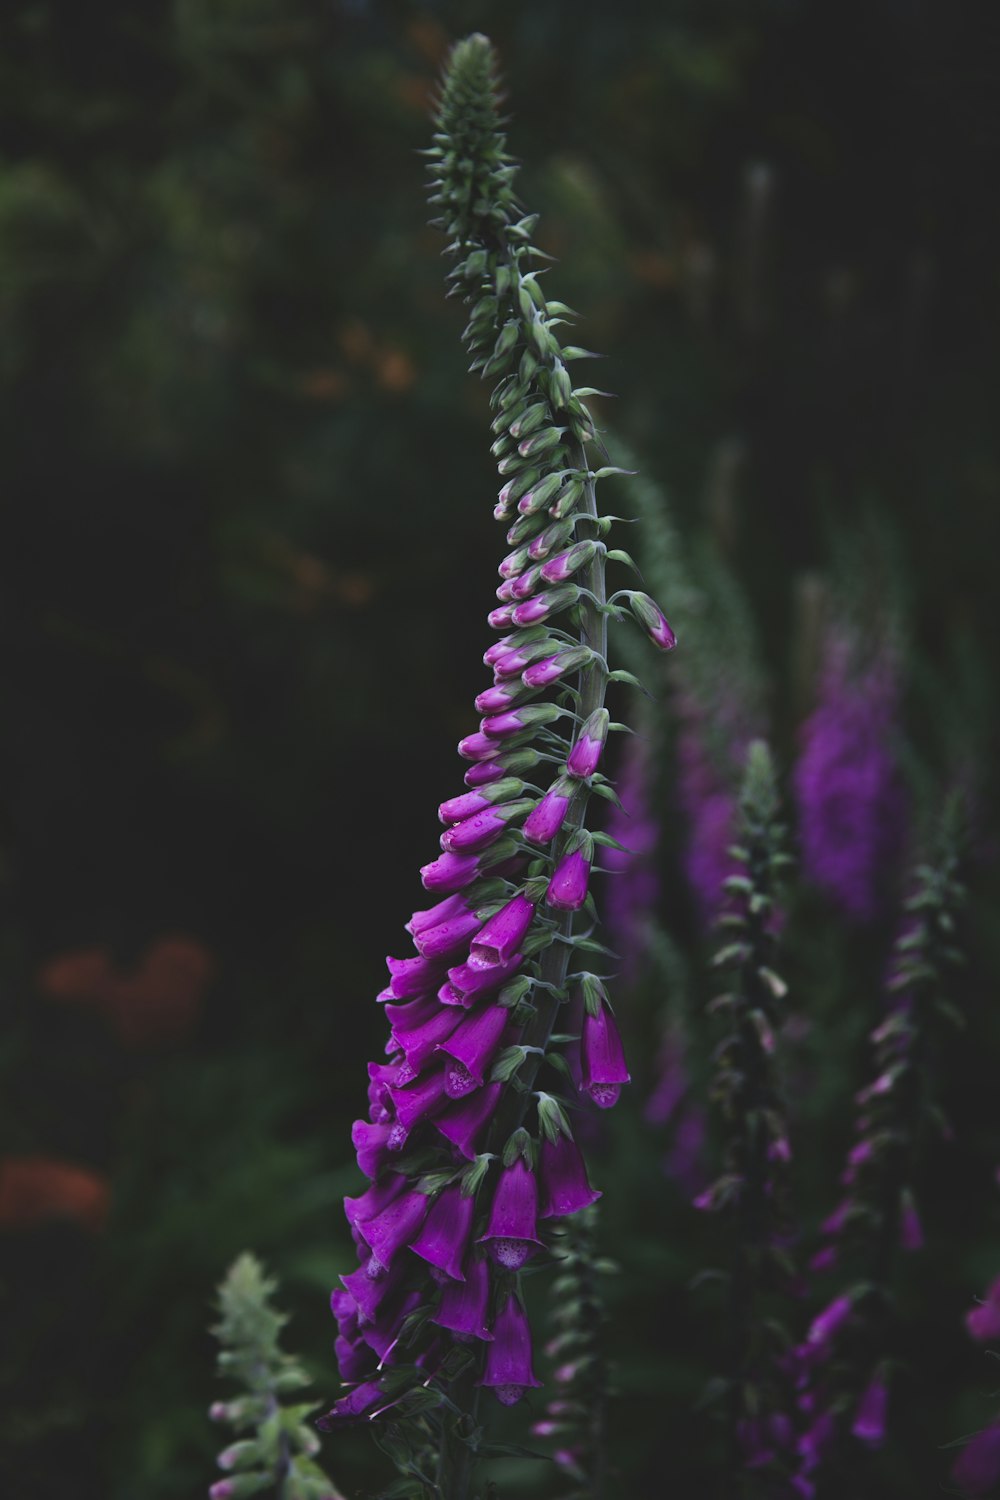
508,1369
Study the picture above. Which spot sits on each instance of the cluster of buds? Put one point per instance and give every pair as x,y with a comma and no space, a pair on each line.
575,1418
751,1192
274,1452
842,1368
469,1161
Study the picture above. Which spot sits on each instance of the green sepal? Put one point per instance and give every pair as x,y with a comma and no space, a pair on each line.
519,1144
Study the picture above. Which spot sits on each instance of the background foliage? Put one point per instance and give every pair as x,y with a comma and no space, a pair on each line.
247,552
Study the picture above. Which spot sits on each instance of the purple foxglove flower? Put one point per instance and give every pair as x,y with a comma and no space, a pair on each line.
508,1370
983,1320
519,720
501,936
564,1184
475,1040
477,832
447,938
586,753
478,747
412,1013
371,1203
463,1123
388,1232
825,1327
514,563
524,585
567,890
502,618
542,606
353,1356
869,1419
362,1402
419,1043
602,1058
417,1101
500,697
499,649
370,1290
464,1304
551,668
449,872
512,660
470,980
412,978
816,1441
444,1238
653,621
553,536
444,911
383,1334
371,1142
505,592
484,773
511,1233
977,1468
464,806
544,822
565,564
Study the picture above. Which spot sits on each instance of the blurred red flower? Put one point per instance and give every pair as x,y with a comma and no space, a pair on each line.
36,1189
157,1002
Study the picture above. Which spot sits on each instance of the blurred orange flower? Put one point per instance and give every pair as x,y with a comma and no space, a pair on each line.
37,1189
157,1002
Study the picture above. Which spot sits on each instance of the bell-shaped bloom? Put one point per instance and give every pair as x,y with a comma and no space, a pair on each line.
391,1230
419,1043
449,872
869,1419
463,806
444,1237
369,1205
443,911
588,747
360,1403
565,1188
567,890
371,1142
544,821
470,980
412,978
501,936
464,1304
653,621
475,1040
447,938
512,1232
508,1371
463,1123
372,1282
418,1101
977,1469
983,1320
383,1334
477,832
602,1058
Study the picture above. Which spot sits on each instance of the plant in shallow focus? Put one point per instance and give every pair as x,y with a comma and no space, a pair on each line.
468,1145
273,1452
845,1362
750,1195
976,1471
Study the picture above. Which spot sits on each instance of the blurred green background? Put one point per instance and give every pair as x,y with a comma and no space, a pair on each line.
247,551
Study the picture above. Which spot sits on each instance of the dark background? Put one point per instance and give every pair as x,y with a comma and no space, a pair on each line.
247,549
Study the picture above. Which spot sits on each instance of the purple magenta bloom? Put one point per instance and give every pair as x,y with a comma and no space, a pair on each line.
847,785
653,621
502,618
567,890
827,1324
412,978
475,1040
478,746
464,806
363,1401
475,833
869,1419
419,1043
392,1229
565,564
469,980
464,1304
371,1142
551,668
449,872
462,1123
511,1233
525,584
372,1282
564,1183
553,536
371,1203
977,1468
585,755
417,1101
501,937
508,1370
447,938
983,1320
500,697
602,1058
444,1238
484,773
544,605
443,911
383,1334
544,822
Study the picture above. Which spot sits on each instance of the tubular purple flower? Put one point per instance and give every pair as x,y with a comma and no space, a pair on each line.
369,1291
484,773
508,1370
552,668
464,1304
451,906
358,1404
371,1142
553,536
501,937
512,1232
565,564
519,720
469,980
444,1237
653,621
475,1040
502,618
371,1203
417,1101
383,1335
870,1417
412,978
565,1187
567,890
543,606
602,1057
420,1042
526,584
392,1229
462,1123
449,872
585,755
447,938
544,822
827,1324
501,696
478,747
477,832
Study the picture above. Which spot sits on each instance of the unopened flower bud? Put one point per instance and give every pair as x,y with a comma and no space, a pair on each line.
565,564
542,825
585,755
653,621
542,606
